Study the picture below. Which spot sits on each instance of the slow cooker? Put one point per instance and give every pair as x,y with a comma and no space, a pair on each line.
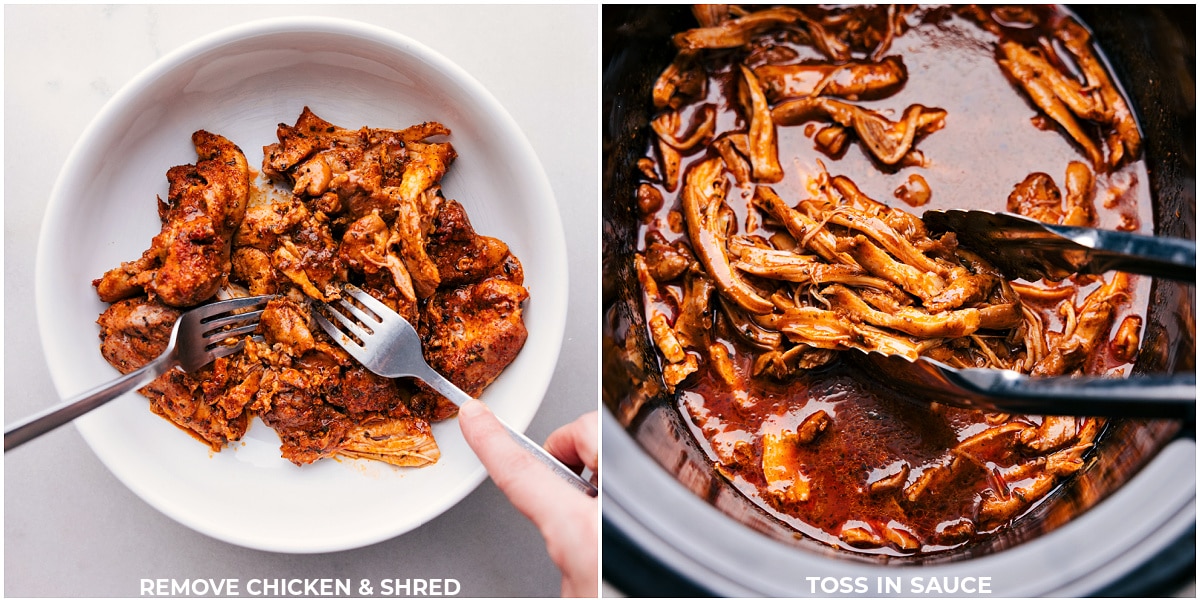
1123,526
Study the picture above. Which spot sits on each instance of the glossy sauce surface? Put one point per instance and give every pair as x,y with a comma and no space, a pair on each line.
993,138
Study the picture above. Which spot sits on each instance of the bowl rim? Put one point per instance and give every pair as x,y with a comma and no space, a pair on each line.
552,298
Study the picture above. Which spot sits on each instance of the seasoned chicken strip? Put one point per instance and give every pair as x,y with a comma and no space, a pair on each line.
855,80
205,204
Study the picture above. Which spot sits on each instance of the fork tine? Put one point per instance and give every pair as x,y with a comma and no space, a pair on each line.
349,344
380,309
347,324
216,323
227,349
225,306
329,327
363,317
220,336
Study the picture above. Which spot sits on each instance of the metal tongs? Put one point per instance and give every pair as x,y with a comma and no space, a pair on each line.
1023,248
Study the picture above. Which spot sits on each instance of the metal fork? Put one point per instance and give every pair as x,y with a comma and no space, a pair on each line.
198,338
387,344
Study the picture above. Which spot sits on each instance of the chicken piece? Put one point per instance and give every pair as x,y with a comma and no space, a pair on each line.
1123,140
675,373
1051,92
887,141
666,262
721,363
812,426
1094,321
414,221
854,80
969,286
703,197
681,83
748,329
664,337
265,224
253,267
694,325
394,172
649,283
995,510
764,151
361,391
1080,211
308,427
135,331
860,537
905,223
1126,340
890,483
783,364
311,135
310,259
810,234
470,333
900,538
914,322
789,266
1053,433
366,247
463,256
190,256
649,200
877,230
1068,461
1037,197
738,32
952,533
830,330
209,405
935,478
915,191
733,149
286,325
875,260
704,122
786,485
669,160
285,241
404,442
993,443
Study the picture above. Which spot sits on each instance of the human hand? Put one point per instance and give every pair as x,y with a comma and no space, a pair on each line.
567,518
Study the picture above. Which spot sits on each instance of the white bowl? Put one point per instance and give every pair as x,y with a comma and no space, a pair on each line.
240,83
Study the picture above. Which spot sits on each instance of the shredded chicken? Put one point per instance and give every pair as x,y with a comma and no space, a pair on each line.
205,205
1068,100
365,208
886,140
759,268
854,80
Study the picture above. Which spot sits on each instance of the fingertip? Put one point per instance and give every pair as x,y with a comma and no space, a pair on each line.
471,409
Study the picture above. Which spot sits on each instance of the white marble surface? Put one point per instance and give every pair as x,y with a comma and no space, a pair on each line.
70,528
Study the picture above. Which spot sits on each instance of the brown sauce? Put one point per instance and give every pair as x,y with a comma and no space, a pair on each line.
992,139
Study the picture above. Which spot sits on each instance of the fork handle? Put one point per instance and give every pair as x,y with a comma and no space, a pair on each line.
64,412
459,397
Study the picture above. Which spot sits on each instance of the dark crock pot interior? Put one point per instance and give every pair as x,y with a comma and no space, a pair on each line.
1151,51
